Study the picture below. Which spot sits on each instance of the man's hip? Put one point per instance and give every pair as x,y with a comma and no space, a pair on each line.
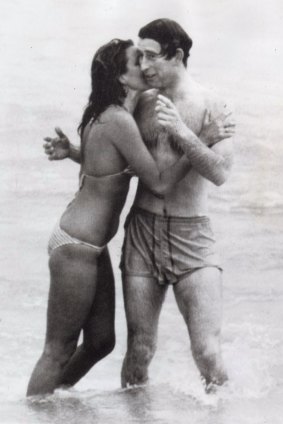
167,248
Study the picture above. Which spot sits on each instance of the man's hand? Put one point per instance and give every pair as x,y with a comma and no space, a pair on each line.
217,129
57,148
168,116
213,130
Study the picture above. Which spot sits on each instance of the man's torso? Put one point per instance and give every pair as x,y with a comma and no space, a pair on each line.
189,196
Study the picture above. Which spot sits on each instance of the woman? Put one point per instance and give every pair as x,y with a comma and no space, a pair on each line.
81,296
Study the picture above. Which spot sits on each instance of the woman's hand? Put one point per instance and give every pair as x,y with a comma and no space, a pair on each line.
217,129
57,148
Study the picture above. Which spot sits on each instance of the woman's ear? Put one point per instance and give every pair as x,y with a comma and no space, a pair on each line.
122,79
179,55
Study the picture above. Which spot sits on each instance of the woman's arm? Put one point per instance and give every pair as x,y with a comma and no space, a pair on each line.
60,147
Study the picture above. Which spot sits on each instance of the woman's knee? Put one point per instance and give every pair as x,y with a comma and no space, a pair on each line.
100,346
59,353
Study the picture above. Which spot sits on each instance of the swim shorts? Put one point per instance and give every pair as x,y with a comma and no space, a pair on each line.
166,248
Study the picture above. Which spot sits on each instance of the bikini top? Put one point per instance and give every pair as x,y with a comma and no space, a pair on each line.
126,172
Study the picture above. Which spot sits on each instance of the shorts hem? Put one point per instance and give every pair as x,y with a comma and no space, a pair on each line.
182,277
138,274
165,281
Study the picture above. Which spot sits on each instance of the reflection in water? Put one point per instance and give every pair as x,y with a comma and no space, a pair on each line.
64,408
147,404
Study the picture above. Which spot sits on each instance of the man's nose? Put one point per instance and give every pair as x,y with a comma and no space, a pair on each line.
143,64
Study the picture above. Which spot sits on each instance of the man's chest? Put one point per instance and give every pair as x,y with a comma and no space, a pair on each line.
161,144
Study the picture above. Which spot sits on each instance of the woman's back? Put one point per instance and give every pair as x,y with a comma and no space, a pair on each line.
93,216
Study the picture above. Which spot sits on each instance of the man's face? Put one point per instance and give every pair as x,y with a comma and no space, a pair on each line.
157,70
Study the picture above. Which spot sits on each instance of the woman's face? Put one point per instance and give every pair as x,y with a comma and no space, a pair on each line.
133,78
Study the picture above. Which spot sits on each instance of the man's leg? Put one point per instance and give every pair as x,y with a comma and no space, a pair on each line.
199,297
99,331
143,298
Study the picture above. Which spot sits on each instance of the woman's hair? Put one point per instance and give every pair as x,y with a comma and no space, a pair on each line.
109,63
170,35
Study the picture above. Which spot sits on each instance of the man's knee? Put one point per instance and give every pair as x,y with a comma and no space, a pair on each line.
142,345
141,348
209,362
206,353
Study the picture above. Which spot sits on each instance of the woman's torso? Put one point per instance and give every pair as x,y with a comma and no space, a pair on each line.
93,215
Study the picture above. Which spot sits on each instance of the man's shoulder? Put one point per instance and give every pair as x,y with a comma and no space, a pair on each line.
211,100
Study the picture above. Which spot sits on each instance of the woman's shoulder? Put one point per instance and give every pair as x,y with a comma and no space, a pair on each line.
116,116
121,118
114,112
114,123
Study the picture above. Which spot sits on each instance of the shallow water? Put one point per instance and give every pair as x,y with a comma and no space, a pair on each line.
46,87
252,334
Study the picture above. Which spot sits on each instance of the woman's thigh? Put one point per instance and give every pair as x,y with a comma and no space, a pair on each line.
73,271
100,322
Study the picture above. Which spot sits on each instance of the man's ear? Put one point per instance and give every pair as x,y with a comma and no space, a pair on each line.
179,55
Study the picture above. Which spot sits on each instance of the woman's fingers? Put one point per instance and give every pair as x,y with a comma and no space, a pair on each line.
48,148
230,124
60,132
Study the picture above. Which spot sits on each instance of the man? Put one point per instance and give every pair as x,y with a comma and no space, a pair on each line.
169,240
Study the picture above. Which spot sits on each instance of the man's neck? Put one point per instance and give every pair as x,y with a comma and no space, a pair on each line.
179,85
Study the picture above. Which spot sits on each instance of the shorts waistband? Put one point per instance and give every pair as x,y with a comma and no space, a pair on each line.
171,218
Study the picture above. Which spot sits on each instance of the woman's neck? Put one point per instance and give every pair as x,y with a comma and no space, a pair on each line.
131,100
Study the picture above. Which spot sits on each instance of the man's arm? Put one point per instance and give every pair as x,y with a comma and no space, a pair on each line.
213,163
60,147
125,136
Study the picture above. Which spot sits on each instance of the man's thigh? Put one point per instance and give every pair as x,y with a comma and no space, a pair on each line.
199,297
143,298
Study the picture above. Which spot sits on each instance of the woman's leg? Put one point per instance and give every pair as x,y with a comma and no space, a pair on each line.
73,273
99,331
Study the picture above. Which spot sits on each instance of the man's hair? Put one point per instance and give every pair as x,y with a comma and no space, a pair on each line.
170,35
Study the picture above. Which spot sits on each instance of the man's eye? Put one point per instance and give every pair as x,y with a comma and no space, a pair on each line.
151,56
